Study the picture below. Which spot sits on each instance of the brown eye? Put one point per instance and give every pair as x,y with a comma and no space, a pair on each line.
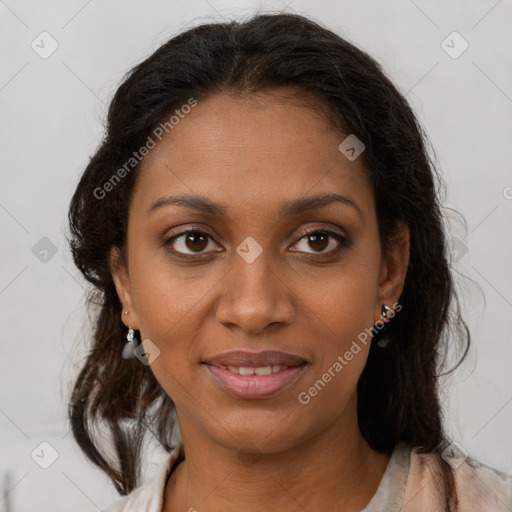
318,241
321,240
189,242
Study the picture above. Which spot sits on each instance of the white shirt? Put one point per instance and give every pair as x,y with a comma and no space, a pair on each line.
407,485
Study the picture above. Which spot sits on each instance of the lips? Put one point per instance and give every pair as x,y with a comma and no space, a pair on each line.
255,375
255,387
245,359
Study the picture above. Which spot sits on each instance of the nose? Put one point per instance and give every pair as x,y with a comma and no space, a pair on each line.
254,295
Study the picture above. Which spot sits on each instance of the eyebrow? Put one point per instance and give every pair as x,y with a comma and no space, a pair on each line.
289,209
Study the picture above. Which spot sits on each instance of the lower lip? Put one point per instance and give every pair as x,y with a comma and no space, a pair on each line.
252,387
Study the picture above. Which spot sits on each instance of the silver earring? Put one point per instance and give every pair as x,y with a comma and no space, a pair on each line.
386,310
130,344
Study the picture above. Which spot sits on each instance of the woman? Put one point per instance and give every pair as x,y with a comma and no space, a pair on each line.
261,223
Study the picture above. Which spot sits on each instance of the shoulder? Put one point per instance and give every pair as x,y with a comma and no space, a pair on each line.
480,483
479,486
148,497
141,499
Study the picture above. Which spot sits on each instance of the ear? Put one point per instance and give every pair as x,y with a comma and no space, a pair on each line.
120,275
393,270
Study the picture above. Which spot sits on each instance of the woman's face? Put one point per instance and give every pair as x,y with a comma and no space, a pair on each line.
253,279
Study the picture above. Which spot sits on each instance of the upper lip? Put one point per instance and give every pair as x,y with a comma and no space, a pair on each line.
243,358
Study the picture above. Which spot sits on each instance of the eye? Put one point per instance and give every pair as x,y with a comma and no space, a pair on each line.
319,240
194,241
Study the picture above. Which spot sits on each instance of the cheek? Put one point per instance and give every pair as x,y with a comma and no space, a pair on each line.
175,366
168,301
344,299
166,294
342,355
347,318
344,303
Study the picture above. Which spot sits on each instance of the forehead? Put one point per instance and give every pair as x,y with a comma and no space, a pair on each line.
244,150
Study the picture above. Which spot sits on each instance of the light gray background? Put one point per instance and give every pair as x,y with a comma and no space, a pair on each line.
51,118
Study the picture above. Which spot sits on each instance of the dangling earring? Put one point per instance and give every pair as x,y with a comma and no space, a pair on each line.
130,344
386,310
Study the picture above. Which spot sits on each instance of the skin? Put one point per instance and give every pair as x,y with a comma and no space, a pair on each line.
252,154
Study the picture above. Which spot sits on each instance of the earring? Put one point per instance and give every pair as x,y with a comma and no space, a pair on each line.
130,344
386,311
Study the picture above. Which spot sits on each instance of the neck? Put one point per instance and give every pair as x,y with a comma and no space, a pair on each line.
334,470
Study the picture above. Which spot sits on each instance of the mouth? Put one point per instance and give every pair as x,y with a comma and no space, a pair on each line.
251,370
253,383
261,360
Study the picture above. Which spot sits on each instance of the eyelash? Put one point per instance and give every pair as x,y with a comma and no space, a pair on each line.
342,241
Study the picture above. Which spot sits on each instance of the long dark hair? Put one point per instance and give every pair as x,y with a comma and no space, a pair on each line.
398,389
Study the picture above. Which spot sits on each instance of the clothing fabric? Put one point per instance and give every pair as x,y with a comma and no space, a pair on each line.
408,485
